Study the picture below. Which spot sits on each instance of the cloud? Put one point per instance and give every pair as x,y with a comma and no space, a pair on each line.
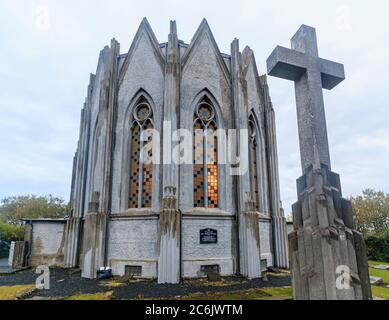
45,66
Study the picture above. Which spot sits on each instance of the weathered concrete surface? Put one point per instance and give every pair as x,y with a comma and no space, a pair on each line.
48,239
324,239
279,236
133,240
169,230
266,242
173,78
93,247
72,244
16,254
310,74
194,254
169,264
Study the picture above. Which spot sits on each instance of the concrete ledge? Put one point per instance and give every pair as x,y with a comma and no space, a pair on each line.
191,267
149,267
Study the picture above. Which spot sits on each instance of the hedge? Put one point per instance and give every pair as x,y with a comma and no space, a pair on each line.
377,247
11,232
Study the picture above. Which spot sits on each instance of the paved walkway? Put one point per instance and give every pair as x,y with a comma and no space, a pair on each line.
66,282
4,268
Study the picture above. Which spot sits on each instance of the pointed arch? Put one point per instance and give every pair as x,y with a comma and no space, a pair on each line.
206,95
257,163
205,154
144,30
141,171
253,161
205,31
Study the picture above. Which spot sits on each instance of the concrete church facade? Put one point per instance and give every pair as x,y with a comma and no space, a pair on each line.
169,220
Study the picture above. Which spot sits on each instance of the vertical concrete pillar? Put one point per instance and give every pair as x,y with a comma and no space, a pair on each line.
248,219
280,247
169,227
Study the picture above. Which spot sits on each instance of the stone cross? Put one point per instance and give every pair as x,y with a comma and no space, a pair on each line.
310,74
324,235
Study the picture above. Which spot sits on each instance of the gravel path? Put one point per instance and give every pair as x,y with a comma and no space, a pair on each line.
65,282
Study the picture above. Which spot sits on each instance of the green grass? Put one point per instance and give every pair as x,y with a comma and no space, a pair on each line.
92,296
12,292
384,274
250,294
279,292
380,292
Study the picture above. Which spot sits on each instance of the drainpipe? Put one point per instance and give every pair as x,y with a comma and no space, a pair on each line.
180,211
237,212
27,256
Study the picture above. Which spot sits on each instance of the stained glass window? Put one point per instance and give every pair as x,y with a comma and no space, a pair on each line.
253,157
141,172
134,166
147,175
212,177
205,170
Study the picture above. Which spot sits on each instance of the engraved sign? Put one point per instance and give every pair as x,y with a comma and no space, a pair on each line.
208,236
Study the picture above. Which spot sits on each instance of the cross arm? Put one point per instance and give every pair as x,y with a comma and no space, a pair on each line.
332,73
286,63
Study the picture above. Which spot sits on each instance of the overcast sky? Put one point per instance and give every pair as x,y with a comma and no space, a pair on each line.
48,49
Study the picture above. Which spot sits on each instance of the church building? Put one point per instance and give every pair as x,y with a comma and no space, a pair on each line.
165,219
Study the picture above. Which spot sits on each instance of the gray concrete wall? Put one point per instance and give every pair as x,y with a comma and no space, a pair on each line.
194,254
266,241
133,241
47,243
133,233
289,227
141,74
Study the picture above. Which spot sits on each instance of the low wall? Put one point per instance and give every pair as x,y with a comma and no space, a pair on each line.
195,255
133,242
47,242
16,254
265,243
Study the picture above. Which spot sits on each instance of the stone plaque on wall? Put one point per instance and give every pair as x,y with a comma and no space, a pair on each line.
208,236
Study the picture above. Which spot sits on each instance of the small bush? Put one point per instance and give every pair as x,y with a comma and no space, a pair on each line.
377,247
11,232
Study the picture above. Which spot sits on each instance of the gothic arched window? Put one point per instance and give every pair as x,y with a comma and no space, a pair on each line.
205,170
141,172
253,161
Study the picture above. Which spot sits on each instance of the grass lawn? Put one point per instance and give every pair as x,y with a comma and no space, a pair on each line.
250,294
379,291
92,296
384,274
12,292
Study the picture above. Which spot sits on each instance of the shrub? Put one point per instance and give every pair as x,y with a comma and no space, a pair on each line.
11,232
377,247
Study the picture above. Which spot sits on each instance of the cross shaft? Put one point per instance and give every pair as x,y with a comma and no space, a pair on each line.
310,74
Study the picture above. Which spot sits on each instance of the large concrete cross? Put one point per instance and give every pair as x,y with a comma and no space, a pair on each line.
310,74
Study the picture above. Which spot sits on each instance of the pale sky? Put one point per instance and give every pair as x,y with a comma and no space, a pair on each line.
48,48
